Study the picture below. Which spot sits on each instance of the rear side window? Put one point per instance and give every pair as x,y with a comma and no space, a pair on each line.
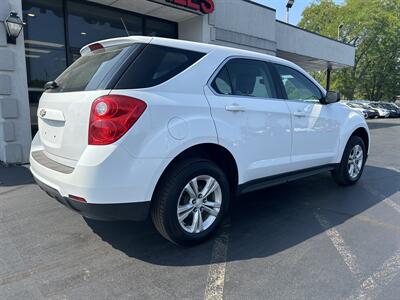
245,77
157,64
91,71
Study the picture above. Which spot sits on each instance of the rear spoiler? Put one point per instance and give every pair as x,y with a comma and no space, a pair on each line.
113,42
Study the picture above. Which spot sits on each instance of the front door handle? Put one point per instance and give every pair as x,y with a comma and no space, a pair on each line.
235,108
299,114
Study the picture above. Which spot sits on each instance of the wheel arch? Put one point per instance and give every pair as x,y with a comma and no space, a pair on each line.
218,154
354,127
363,134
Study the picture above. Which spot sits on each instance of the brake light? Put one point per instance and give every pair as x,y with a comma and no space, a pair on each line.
111,117
95,46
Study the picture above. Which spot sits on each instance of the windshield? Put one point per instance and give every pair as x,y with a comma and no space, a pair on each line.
90,71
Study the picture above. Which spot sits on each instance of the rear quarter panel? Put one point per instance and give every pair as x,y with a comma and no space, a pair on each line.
178,115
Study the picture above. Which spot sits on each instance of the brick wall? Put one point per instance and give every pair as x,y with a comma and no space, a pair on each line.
15,133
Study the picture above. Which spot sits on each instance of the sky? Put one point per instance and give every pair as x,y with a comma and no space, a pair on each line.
295,11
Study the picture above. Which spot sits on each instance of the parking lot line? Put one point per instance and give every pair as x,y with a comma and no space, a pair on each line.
392,204
386,200
216,272
345,252
371,286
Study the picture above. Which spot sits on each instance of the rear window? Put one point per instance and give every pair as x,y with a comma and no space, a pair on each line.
93,70
157,64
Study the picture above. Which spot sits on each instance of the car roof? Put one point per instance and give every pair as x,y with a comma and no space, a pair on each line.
189,45
200,47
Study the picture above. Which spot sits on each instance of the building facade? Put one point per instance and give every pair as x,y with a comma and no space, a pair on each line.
54,31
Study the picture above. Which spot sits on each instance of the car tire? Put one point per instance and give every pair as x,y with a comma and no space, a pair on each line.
176,192
350,168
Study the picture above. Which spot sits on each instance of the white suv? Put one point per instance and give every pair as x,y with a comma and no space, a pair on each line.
143,126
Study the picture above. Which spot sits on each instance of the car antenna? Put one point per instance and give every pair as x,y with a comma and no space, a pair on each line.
126,29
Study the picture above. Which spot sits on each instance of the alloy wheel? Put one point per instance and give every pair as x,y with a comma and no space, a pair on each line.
199,204
355,161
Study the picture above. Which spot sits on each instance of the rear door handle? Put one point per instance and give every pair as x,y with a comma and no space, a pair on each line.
235,107
299,114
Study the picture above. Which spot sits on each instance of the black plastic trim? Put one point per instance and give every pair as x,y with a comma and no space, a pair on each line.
269,181
134,53
136,211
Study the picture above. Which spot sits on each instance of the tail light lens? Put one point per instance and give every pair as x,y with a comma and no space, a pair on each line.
111,117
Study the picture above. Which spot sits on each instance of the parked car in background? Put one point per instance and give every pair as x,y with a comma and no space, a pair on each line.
358,108
394,110
371,112
172,129
383,112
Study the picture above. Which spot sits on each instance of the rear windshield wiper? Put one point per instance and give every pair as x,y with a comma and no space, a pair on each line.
51,85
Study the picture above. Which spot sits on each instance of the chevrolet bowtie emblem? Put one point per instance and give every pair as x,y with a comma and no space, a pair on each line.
42,112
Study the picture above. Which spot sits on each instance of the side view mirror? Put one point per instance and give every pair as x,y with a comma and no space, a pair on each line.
331,97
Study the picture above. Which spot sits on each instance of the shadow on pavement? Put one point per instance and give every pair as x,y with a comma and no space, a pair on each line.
15,176
262,223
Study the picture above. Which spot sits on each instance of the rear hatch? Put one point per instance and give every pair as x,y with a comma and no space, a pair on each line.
64,108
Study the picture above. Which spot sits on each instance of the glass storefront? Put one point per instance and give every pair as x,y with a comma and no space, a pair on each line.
56,30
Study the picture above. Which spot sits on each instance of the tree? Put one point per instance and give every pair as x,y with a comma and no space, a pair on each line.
373,26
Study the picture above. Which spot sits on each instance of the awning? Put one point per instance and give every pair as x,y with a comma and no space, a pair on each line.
310,50
155,8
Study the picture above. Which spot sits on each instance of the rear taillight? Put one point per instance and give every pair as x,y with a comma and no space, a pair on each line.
111,117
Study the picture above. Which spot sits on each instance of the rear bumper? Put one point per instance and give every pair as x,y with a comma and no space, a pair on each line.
137,211
103,175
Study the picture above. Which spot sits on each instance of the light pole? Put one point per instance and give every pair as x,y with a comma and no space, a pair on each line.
289,5
338,31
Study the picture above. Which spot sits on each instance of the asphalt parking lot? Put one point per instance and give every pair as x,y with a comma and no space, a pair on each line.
308,239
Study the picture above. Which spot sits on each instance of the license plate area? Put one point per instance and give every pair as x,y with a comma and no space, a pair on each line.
51,132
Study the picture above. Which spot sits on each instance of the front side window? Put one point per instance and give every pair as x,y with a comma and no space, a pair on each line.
297,86
245,77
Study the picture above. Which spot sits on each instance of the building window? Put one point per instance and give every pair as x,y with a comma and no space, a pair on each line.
155,27
56,30
88,23
44,47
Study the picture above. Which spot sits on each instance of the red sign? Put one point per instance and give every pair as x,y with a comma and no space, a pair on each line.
203,6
